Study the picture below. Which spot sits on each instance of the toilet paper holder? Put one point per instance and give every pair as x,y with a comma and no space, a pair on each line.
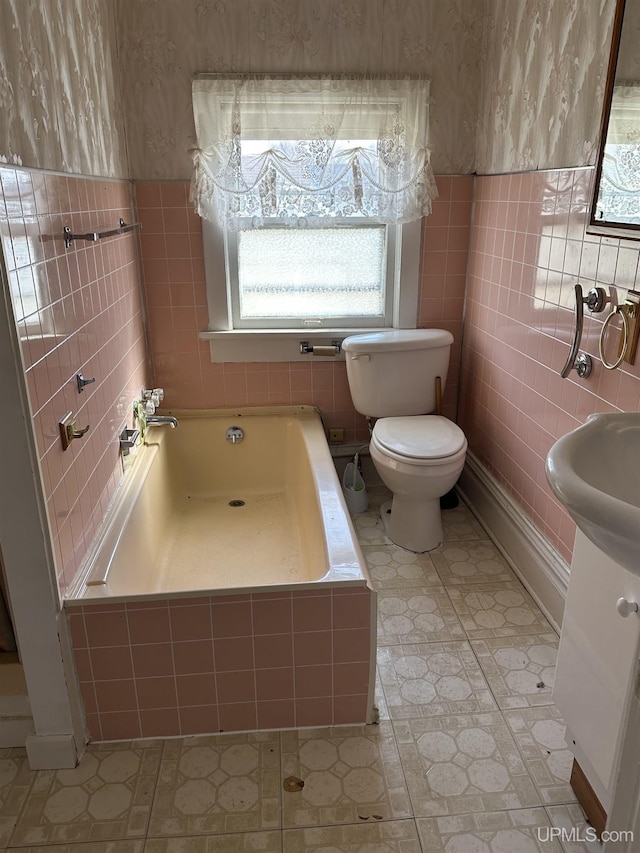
330,350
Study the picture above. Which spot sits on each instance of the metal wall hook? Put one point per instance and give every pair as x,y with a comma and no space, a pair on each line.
69,431
81,382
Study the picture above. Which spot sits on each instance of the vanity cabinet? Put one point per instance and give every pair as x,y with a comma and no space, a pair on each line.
597,663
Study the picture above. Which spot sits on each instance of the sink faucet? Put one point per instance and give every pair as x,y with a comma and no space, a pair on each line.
160,420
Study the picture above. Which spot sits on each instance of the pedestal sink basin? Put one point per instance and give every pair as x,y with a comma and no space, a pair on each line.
595,472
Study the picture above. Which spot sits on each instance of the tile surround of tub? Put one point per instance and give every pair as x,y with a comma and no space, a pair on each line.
223,663
76,309
528,249
173,269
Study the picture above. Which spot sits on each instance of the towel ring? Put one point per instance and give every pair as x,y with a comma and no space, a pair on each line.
619,309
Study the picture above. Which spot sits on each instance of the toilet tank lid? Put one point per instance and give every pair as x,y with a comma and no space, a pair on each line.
420,437
397,339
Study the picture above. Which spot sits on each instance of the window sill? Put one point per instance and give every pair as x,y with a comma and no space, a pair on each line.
617,232
255,345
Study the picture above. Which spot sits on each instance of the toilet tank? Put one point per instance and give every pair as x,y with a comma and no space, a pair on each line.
393,373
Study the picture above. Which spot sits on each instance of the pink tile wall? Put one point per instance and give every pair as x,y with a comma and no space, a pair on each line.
445,249
173,268
529,247
76,309
224,663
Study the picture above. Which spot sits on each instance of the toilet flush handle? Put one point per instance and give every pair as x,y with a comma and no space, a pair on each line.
361,356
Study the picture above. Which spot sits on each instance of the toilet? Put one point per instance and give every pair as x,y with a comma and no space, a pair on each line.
419,456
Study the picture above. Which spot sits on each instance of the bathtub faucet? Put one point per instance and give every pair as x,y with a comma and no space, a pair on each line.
160,420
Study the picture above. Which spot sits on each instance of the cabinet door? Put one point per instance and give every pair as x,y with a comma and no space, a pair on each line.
597,661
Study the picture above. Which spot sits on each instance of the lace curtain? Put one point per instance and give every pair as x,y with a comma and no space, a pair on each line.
619,197
312,149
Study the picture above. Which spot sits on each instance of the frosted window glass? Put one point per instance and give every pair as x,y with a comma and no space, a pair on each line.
312,272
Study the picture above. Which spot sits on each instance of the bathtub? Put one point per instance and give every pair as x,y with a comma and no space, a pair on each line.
226,590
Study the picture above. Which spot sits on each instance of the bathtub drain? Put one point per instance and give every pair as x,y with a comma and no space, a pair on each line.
236,503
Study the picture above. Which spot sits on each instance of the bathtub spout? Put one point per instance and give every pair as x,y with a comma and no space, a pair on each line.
160,420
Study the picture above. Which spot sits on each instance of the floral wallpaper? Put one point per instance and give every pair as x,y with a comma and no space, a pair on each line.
60,87
515,85
544,76
162,44
628,67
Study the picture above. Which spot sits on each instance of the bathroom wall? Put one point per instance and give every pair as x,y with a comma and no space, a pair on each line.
469,49
529,247
162,44
544,71
62,143
62,112
162,47
173,272
76,309
532,71
60,87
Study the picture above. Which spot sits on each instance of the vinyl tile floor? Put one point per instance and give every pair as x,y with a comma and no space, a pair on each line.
469,755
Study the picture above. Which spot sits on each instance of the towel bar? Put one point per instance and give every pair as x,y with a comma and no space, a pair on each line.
93,236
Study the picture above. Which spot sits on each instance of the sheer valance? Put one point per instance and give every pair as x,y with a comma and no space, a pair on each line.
312,149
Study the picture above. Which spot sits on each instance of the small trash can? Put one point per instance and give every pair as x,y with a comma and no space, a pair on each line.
354,489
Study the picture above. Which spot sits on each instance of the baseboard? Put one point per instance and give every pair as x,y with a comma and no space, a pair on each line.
534,560
51,752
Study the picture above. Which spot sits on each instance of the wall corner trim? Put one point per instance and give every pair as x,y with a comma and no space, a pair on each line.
51,752
538,565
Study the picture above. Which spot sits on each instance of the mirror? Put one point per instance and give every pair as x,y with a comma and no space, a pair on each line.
617,195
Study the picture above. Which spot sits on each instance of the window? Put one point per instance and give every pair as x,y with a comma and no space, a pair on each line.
615,210
618,199
311,190
276,286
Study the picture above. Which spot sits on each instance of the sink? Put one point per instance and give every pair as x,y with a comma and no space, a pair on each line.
595,472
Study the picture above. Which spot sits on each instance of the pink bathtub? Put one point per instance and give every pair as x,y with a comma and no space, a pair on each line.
227,590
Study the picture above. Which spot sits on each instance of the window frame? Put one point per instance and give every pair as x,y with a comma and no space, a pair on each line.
229,344
596,225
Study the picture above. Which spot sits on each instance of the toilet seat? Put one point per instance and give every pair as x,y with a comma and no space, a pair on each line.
419,439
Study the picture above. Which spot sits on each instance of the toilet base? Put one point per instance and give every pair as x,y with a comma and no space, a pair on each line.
413,525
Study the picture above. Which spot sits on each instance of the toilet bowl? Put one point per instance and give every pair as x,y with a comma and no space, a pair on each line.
419,458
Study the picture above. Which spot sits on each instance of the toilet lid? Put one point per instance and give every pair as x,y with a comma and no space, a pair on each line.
419,437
